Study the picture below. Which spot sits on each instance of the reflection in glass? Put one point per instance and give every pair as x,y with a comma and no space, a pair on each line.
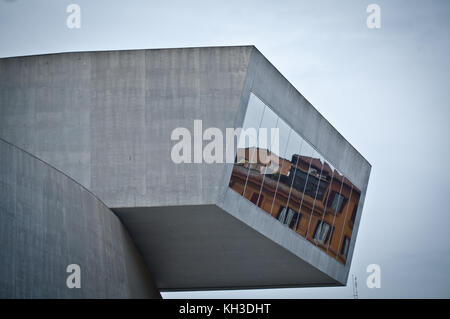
285,177
317,185
335,210
270,180
345,244
268,151
345,247
259,159
288,179
337,201
248,142
287,216
322,233
302,188
345,224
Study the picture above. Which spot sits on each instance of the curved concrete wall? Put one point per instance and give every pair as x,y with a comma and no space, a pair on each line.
48,221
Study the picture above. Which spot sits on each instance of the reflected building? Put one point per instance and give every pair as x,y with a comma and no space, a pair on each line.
294,183
303,193
87,174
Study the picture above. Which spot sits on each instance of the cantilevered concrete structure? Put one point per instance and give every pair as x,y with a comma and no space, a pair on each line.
105,120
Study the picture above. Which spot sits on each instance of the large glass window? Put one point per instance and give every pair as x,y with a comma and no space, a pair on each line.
281,173
288,216
337,201
323,232
345,247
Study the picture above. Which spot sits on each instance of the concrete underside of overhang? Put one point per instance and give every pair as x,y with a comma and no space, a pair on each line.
204,247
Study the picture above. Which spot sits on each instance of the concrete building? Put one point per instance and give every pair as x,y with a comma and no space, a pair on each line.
47,222
104,121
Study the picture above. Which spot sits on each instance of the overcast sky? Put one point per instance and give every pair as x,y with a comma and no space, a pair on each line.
386,90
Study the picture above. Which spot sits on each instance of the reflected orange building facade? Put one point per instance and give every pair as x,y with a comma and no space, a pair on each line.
304,193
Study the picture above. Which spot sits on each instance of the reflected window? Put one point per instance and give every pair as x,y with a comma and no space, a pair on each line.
353,217
288,216
345,246
336,201
323,232
311,184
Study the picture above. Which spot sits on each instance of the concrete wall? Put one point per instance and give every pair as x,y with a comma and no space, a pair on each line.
48,221
105,118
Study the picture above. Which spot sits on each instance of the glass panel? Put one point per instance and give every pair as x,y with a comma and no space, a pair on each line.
322,232
287,216
345,247
271,178
265,162
283,192
321,199
331,209
342,227
336,206
318,182
299,187
344,222
247,142
252,121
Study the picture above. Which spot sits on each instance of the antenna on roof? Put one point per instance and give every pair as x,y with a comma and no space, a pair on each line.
355,287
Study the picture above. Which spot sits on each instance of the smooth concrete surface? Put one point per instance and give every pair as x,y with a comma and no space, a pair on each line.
47,222
204,247
105,119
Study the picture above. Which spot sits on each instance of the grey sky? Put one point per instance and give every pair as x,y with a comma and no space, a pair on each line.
386,90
